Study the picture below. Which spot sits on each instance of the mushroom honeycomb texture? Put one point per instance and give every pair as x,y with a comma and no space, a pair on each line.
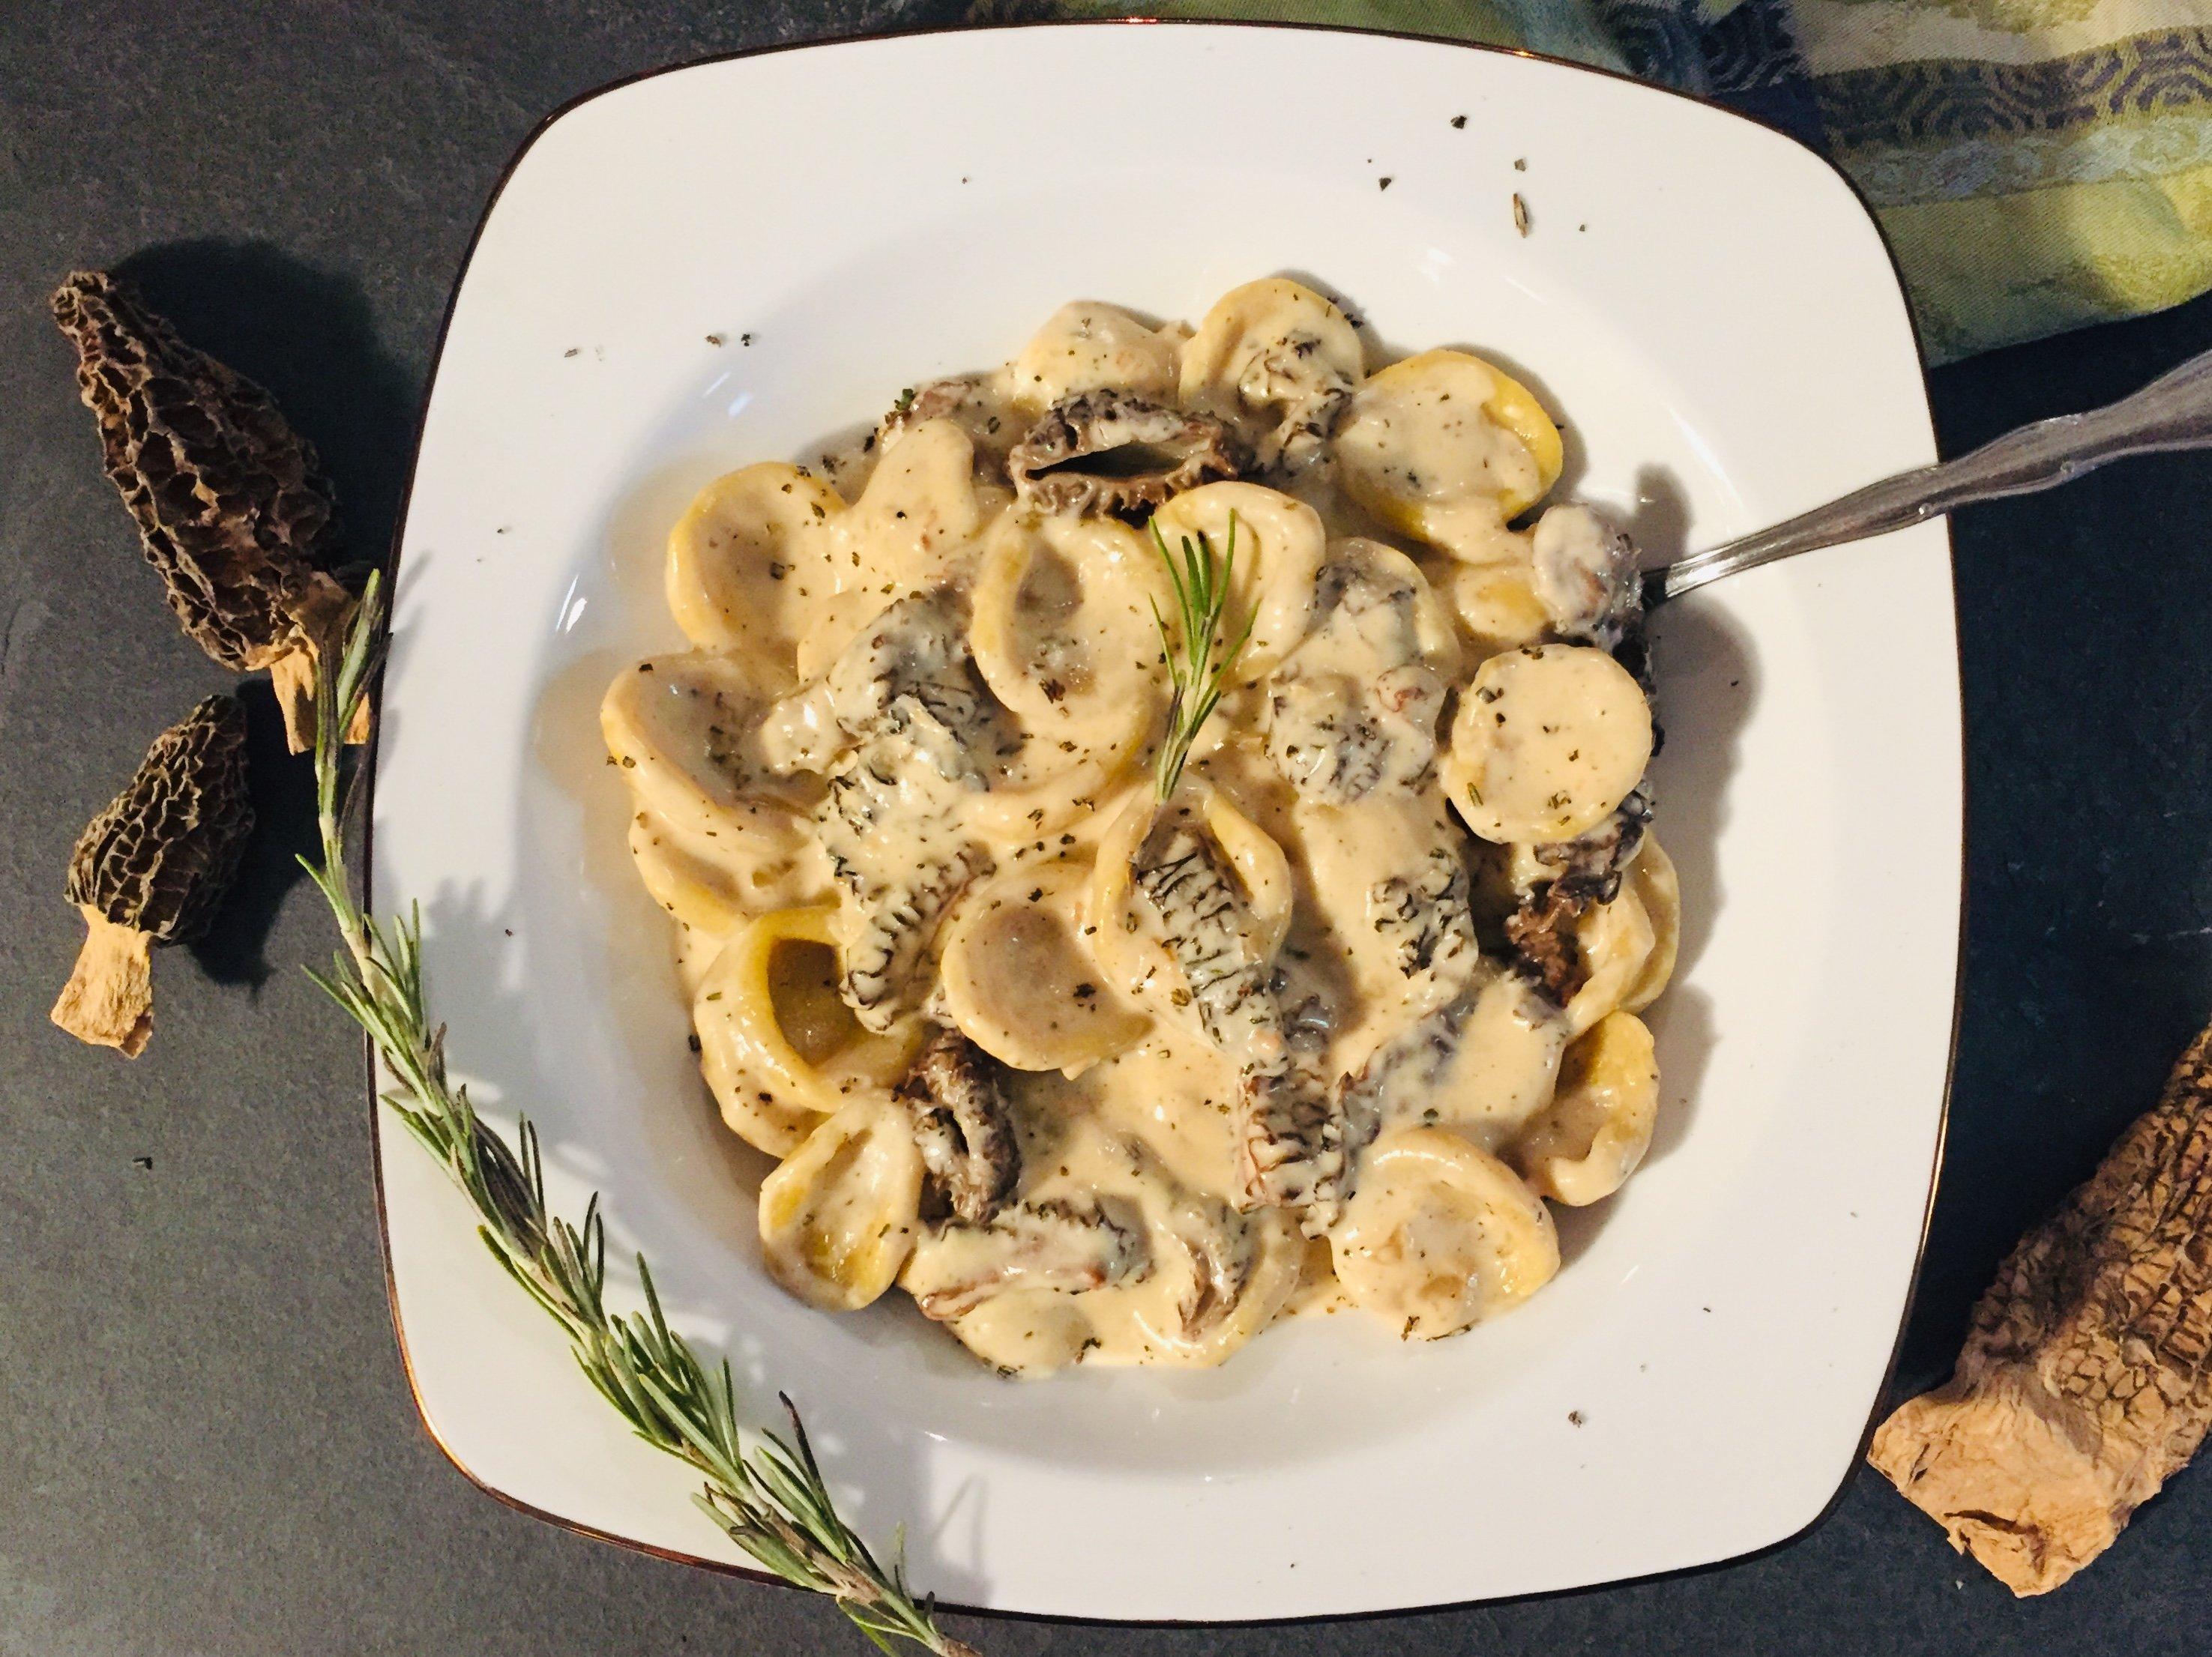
231,504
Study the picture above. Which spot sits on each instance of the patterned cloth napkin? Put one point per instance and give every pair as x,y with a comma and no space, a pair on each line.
2036,164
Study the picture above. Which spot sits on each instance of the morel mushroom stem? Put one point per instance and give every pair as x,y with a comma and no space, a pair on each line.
232,507
324,617
2084,1384
109,998
151,868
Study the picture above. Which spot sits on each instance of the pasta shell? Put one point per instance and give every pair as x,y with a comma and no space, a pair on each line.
1547,741
1062,627
1277,359
1616,940
1440,1235
1651,877
1085,346
1484,1063
1029,1332
921,508
779,1048
1280,547
1448,448
839,1217
749,564
1498,608
699,895
1588,1140
680,730
1243,1270
1020,982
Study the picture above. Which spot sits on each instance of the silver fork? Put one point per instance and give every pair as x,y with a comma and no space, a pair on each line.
2174,411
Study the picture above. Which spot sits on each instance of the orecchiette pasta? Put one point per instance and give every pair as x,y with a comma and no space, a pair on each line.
1441,1235
1549,739
839,1216
778,1047
1021,984
1279,359
714,834
1616,940
1279,545
751,565
1119,953
1086,346
1445,447
1498,608
1595,1131
1651,877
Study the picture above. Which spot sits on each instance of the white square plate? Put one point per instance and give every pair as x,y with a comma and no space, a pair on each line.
1714,314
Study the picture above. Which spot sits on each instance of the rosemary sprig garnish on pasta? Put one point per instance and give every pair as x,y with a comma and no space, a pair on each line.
770,1498
1198,663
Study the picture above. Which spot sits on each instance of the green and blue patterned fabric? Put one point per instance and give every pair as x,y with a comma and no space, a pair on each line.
2036,164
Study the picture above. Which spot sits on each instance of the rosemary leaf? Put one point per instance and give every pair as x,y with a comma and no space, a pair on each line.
771,1500
1198,660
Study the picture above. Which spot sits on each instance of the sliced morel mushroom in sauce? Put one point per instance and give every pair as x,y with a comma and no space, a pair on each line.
1544,947
151,868
1422,912
1354,708
1289,1150
1106,452
1062,1247
897,725
1546,952
1586,575
969,1150
232,507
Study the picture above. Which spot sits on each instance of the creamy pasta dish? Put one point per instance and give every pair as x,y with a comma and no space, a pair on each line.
1158,840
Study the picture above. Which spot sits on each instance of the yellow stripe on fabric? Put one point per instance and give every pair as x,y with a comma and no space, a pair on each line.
1991,271
2132,146
1836,36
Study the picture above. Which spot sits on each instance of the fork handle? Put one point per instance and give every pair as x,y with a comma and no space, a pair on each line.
2174,411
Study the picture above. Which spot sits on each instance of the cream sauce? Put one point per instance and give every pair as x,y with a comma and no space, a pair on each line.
905,782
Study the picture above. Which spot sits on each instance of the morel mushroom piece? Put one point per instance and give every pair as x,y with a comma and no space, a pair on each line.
1058,1246
1544,949
1590,867
969,401
1543,946
151,868
231,505
1106,452
2084,1385
961,1124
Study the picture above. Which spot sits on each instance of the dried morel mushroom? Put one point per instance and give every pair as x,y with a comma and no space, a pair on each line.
230,502
2084,1385
151,868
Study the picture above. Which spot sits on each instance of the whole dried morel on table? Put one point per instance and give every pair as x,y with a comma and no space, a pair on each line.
2085,1381
151,868
231,504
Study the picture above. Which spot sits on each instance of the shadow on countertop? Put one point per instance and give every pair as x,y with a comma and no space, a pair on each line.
308,336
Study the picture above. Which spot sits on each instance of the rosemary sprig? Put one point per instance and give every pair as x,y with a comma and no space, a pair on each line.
769,1499
1197,664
